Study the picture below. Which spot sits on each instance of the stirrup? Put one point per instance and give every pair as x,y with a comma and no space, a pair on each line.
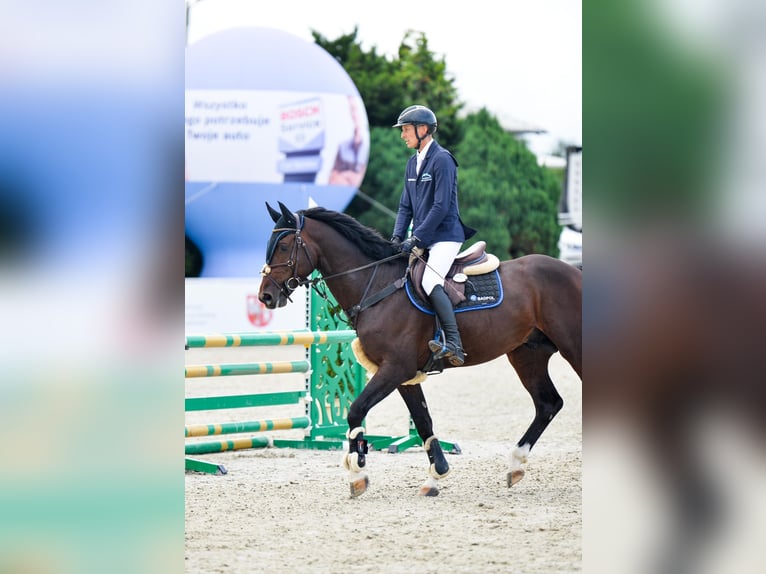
436,346
454,354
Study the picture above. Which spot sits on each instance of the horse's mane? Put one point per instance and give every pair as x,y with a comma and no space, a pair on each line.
369,240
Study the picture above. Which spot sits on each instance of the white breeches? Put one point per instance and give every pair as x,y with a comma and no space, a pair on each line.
440,258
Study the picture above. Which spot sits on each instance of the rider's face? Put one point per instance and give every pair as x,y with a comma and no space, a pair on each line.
408,135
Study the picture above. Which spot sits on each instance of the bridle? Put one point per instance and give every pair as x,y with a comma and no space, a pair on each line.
295,280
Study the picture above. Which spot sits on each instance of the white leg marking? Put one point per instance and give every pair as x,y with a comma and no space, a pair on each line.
519,457
430,487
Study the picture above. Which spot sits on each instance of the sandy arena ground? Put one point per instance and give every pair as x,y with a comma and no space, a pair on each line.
289,511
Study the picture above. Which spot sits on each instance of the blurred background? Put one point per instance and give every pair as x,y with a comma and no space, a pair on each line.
674,309
91,287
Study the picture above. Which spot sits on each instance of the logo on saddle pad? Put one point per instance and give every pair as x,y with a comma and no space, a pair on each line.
475,297
472,282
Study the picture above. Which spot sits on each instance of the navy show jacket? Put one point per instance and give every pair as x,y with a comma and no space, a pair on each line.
430,201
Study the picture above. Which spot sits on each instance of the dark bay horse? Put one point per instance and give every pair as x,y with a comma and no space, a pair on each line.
541,313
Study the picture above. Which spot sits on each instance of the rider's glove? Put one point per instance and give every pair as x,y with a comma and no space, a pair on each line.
408,244
396,239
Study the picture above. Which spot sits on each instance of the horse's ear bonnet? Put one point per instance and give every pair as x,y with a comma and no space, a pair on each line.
285,221
275,215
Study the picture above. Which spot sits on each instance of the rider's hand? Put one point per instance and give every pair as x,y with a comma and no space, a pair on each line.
408,244
395,239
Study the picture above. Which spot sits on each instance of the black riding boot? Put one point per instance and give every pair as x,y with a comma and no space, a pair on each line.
453,351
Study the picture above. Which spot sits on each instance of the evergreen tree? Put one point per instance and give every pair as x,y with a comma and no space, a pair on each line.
383,181
387,86
504,193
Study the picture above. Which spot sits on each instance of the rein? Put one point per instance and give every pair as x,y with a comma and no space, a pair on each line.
361,267
296,281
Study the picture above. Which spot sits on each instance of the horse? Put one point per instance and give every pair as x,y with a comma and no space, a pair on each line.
540,314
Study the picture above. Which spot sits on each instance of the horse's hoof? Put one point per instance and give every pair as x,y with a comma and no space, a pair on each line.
428,491
430,487
514,477
359,486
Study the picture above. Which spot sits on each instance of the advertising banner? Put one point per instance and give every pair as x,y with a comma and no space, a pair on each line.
274,137
232,306
269,117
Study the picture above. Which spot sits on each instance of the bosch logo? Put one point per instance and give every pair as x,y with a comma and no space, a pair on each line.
298,113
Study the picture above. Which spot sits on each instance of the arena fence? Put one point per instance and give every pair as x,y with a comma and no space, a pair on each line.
333,379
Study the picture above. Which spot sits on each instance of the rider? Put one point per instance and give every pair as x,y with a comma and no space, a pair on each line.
429,201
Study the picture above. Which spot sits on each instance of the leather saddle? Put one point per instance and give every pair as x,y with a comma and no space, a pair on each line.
473,260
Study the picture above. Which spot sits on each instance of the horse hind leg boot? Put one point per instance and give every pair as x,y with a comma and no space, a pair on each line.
452,350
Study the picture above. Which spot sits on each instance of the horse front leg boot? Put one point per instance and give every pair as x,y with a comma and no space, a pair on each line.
355,460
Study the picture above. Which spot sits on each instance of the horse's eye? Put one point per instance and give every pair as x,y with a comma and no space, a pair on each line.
283,248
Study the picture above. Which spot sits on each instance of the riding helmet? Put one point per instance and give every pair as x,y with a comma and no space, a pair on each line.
417,115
